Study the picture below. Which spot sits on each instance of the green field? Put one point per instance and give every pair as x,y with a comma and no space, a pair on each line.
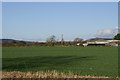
94,61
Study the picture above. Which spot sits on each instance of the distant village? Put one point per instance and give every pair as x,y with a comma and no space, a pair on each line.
51,41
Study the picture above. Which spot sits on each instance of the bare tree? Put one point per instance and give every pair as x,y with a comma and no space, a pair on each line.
78,39
51,40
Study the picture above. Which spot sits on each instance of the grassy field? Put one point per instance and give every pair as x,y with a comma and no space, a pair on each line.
93,61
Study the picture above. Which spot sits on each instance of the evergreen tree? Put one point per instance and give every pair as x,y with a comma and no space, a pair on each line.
117,37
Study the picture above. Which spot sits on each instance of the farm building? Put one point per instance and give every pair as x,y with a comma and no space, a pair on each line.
101,42
113,43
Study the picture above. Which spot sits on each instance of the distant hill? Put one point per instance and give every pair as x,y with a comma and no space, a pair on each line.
99,39
10,40
7,40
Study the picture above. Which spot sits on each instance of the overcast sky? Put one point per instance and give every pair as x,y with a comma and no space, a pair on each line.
39,20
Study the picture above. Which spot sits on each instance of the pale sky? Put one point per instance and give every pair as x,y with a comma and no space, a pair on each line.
39,20
60,0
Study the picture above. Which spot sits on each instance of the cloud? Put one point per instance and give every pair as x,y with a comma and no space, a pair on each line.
118,28
107,33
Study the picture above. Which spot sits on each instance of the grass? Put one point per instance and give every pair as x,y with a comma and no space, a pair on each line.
83,61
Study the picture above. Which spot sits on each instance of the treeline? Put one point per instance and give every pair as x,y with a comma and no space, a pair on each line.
50,41
37,44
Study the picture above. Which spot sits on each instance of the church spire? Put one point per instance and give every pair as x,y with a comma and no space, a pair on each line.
62,40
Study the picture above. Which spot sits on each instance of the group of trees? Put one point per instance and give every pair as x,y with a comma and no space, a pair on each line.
50,41
38,44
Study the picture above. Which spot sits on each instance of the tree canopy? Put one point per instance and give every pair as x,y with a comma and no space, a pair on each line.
117,37
51,39
78,39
